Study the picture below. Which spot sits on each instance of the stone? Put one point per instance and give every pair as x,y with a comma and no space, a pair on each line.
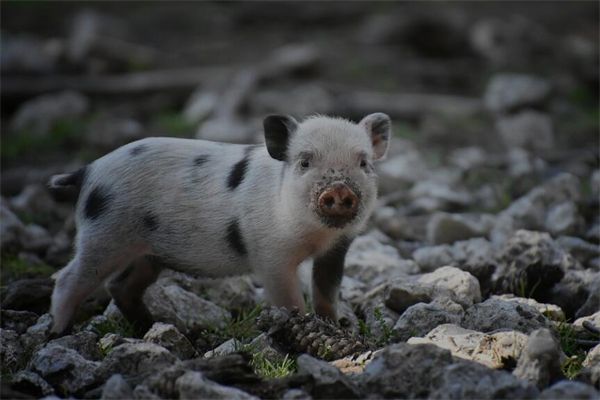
530,130
592,302
167,336
369,260
232,293
264,345
23,54
296,394
307,99
11,227
200,106
188,312
570,390
356,364
494,314
116,388
18,321
39,115
593,319
230,129
329,381
193,385
399,295
498,350
421,318
530,264
38,333
522,164
564,219
136,360
11,351
476,256
65,369
580,249
449,228
401,170
529,211
228,347
107,132
464,285
573,292
510,92
28,295
404,371
36,239
591,366
467,380
83,342
550,311
540,360
430,196
31,383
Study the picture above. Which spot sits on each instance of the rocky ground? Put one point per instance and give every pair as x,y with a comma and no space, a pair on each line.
479,275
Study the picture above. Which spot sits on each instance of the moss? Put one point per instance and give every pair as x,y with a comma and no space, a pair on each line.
15,268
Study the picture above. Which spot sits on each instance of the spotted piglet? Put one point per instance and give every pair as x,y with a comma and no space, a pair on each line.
213,209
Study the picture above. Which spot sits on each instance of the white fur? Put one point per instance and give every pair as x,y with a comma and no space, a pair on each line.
194,206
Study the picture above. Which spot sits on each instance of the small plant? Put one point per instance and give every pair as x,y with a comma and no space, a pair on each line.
119,326
269,369
387,332
573,365
568,342
242,327
13,267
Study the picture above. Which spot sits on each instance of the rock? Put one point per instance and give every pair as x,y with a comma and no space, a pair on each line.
144,392
570,390
31,383
136,360
229,129
449,228
107,132
540,360
329,382
466,380
188,312
354,365
228,347
550,311
232,293
193,385
580,249
116,388
592,302
400,294
29,295
530,263
591,366
522,164
37,333
65,369
595,183
307,99
475,256
112,340
60,251
11,351
494,314
83,343
563,219
421,318
264,345
401,170
530,130
36,239
170,338
39,115
510,92
11,227
467,158
404,371
34,199
200,106
464,285
573,292
296,394
530,210
429,196
498,350
26,54
17,321
369,260
593,319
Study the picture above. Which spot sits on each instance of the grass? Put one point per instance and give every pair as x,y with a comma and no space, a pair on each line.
269,369
15,268
241,327
119,326
387,333
575,355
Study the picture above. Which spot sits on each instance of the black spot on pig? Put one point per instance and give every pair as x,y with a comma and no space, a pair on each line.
139,149
150,222
200,160
97,202
234,238
238,172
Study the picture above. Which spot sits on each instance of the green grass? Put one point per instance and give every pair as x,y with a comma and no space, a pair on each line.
269,369
174,124
387,332
575,355
241,327
119,326
15,268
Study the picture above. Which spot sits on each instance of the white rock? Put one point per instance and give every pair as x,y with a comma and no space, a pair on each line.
507,92
464,285
551,311
228,347
167,336
193,385
531,130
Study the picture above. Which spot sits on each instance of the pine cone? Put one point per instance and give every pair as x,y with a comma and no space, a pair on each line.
309,334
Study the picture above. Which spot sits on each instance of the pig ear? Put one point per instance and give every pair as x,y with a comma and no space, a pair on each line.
379,127
278,131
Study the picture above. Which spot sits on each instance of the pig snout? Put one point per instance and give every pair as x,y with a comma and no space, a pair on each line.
338,202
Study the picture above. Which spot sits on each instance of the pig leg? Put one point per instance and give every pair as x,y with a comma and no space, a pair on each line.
282,288
328,270
96,259
127,289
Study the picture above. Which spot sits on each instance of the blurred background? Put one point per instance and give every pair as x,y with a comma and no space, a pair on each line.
488,99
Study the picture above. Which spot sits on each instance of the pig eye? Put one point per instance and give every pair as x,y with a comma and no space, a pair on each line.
305,163
363,163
